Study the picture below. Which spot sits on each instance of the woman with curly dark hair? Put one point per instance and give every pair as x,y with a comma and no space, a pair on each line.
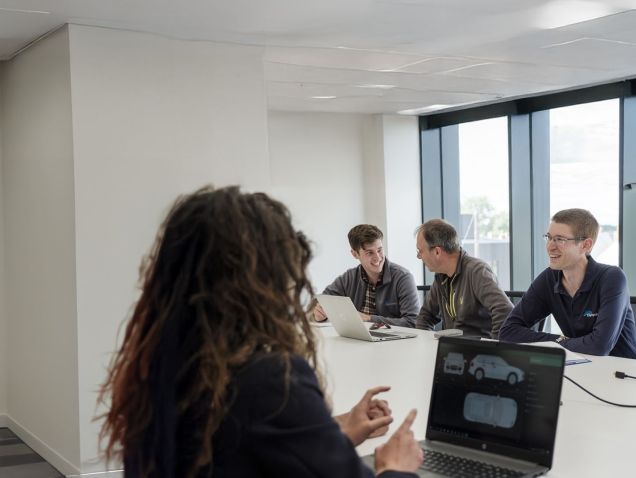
216,374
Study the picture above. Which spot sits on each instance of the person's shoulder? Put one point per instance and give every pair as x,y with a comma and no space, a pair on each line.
471,261
269,382
610,273
345,281
607,268
545,282
472,264
263,367
351,273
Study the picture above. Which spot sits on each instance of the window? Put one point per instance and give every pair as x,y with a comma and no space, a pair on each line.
529,158
584,168
484,193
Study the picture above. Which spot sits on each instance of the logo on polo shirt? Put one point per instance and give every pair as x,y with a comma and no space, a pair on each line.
588,314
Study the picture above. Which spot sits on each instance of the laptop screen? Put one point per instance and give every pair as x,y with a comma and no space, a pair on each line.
497,397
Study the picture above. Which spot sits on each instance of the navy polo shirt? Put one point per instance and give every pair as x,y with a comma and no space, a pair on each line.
598,320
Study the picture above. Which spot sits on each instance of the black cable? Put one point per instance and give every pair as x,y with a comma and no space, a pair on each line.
622,375
599,398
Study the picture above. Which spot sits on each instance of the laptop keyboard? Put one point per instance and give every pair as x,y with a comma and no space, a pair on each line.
458,467
381,334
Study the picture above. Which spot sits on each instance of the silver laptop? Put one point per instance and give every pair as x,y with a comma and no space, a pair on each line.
346,320
493,405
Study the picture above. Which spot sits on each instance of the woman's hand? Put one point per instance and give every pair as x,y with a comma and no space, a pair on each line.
369,418
402,452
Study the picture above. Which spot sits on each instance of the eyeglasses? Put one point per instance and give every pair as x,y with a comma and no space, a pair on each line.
560,240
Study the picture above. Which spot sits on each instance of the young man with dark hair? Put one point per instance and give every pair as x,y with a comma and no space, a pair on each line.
589,301
465,294
381,291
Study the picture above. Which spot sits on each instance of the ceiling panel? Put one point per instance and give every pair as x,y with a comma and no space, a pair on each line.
416,52
542,74
343,58
603,54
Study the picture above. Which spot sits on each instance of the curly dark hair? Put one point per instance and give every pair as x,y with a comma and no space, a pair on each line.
224,281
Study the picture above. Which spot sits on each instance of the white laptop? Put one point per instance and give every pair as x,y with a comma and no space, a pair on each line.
346,320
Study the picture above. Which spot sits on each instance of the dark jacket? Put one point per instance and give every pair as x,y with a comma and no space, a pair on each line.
269,431
470,300
396,300
598,320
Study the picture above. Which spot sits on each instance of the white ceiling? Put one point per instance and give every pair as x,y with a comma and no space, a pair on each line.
377,56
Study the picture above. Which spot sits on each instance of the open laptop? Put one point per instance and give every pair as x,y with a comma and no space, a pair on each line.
494,403
346,320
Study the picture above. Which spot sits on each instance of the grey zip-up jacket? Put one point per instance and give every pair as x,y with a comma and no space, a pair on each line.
470,300
396,300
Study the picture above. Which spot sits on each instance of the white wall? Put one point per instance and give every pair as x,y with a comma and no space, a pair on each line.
38,199
102,130
338,170
403,198
317,169
3,328
152,118
374,177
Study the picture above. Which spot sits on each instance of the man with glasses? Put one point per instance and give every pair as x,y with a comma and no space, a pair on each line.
465,294
383,292
589,301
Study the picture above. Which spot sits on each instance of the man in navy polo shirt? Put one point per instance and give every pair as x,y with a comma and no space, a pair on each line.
589,301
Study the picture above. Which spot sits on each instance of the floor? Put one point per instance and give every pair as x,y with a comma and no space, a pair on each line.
17,460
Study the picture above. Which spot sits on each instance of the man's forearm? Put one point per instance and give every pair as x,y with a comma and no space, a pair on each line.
425,322
399,321
515,330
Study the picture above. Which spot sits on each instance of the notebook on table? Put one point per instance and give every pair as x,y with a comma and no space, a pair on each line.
494,409
346,320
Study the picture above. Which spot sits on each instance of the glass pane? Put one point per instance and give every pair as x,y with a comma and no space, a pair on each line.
484,194
584,149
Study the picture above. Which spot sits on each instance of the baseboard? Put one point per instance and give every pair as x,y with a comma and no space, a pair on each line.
100,474
50,455
99,468
55,459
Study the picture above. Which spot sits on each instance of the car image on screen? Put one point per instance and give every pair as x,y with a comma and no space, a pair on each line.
494,367
490,410
454,363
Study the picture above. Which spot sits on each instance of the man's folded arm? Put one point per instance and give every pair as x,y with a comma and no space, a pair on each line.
530,310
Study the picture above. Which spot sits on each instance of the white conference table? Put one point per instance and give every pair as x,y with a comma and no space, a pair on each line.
594,439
